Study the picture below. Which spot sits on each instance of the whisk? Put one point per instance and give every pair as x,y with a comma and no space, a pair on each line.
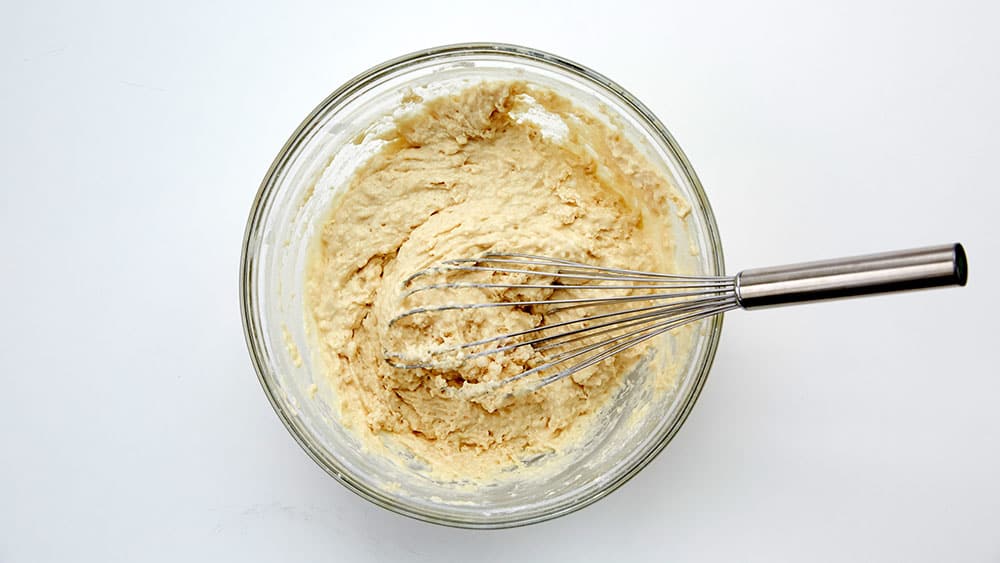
665,302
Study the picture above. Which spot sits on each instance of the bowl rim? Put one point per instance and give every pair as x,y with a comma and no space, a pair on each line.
250,312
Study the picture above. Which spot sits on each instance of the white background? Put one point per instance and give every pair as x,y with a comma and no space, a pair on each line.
133,428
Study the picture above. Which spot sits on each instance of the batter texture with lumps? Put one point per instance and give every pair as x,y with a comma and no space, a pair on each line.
493,167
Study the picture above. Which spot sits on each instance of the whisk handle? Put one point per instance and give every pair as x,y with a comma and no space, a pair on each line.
903,270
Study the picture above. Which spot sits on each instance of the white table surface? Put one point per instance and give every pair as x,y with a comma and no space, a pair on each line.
134,137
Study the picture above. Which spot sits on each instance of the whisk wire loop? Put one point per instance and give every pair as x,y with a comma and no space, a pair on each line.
663,302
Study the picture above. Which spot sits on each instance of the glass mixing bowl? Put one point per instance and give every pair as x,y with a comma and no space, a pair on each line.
295,197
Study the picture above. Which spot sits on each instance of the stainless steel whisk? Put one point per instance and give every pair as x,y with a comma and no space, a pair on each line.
569,346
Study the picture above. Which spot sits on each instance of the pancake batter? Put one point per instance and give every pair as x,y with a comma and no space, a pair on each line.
498,166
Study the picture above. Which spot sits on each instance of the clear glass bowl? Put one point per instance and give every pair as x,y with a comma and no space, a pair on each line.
296,195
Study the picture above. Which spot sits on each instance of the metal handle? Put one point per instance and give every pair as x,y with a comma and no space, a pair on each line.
903,270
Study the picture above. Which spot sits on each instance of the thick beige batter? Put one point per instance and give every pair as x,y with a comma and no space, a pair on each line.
465,174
